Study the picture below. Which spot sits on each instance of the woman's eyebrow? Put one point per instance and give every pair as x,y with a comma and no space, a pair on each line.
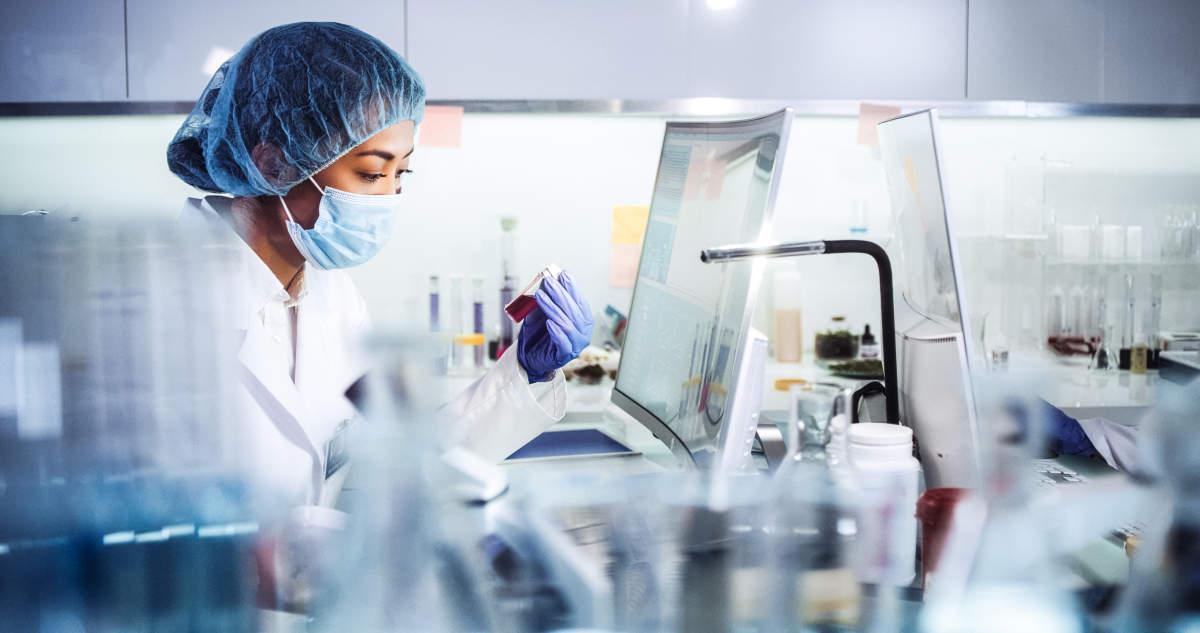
377,152
382,154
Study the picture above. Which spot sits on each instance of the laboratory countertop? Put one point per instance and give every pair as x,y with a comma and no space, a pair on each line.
1067,384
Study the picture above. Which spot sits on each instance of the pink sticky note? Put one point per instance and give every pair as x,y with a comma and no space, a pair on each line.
623,265
694,183
441,127
870,115
716,180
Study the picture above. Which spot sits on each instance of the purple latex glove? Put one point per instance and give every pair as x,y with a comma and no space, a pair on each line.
556,331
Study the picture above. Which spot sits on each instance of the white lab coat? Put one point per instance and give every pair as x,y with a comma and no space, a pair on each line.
1116,443
289,423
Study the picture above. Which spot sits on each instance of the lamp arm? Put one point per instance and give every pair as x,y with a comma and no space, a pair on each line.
829,247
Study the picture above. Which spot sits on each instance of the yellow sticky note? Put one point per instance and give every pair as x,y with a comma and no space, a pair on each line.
441,127
623,265
870,115
629,223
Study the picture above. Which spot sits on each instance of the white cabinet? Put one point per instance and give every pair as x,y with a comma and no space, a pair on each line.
540,49
59,50
174,46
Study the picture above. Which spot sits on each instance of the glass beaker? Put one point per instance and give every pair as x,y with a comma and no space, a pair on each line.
811,407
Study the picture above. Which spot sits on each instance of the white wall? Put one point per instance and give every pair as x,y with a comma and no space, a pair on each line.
561,174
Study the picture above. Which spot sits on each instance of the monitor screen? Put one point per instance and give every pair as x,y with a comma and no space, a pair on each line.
928,273
716,185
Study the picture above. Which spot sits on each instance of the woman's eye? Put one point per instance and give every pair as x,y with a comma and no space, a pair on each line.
372,177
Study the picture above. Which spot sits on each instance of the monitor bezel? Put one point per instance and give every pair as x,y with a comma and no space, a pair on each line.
964,323
939,328
629,405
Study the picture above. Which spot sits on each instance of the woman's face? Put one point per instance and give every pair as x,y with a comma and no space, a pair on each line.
374,167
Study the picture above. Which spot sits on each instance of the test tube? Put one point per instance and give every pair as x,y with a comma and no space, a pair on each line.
1127,339
508,279
456,320
1154,318
477,316
434,324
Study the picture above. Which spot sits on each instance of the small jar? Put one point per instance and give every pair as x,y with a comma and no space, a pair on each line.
837,342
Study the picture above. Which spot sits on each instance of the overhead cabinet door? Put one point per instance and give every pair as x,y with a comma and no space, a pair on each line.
175,46
59,50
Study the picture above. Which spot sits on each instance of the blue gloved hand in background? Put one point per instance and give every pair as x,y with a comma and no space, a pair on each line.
556,331
1063,433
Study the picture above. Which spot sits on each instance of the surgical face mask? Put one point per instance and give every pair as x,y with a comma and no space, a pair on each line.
350,227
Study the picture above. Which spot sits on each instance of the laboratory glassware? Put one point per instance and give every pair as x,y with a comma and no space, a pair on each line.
1163,591
477,318
1154,316
789,332
434,307
458,352
811,408
508,279
1105,357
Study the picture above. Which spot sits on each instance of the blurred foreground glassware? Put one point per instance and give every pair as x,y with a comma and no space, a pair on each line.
998,554
125,472
1163,592
385,574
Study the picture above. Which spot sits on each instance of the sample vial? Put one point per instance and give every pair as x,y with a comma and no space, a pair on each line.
1138,355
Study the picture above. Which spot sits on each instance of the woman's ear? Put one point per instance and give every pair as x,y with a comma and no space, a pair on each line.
269,161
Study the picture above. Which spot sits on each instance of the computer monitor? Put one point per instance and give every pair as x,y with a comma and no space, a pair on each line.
688,321
932,329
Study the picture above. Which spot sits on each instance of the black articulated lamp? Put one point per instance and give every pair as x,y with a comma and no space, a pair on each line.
827,247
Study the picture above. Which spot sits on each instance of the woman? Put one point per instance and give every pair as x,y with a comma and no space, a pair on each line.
310,129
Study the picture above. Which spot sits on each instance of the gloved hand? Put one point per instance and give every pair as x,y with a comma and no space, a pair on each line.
1064,434
1060,434
556,331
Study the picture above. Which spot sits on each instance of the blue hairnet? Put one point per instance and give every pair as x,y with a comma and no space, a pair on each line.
292,101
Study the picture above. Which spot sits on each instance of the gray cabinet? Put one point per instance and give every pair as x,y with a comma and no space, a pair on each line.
830,49
632,49
539,49
59,50
1036,50
175,46
1095,51
867,49
1152,51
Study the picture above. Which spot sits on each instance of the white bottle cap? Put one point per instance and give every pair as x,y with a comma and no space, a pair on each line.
880,434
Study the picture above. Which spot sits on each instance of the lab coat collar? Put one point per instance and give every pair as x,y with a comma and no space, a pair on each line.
261,285
268,382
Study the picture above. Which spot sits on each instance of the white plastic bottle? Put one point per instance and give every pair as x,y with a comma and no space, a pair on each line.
881,457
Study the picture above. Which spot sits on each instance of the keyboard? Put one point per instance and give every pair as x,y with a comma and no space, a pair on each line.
1051,473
